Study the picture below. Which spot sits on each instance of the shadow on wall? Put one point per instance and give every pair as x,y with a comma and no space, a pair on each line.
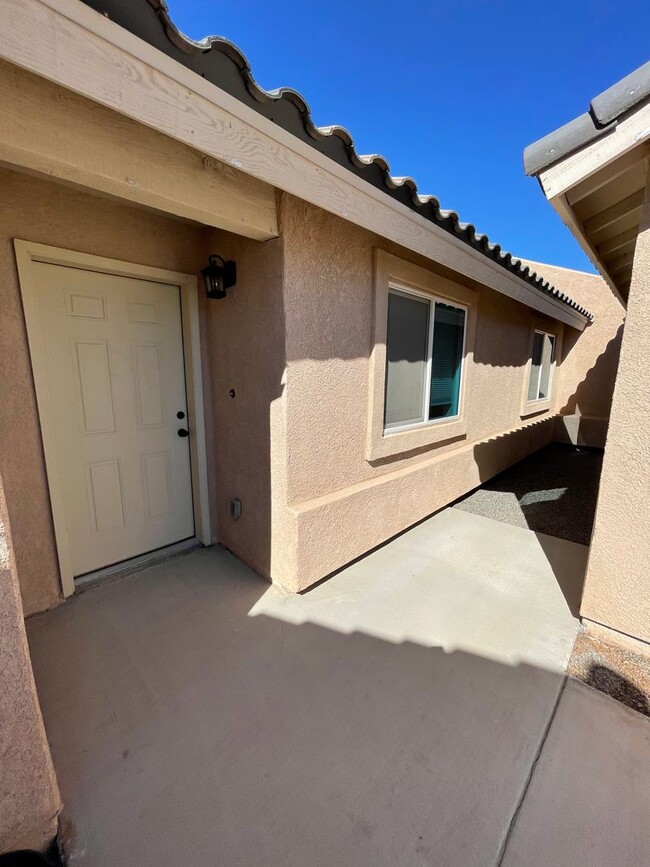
244,358
599,382
302,303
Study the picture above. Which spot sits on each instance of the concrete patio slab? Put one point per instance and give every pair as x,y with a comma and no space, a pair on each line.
588,804
185,731
458,581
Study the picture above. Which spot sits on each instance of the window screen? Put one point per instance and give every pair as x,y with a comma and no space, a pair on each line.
406,358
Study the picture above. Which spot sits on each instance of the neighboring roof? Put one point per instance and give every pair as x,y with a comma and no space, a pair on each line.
220,61
602,117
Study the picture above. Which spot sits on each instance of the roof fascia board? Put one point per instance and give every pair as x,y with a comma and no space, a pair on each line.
629,133
71,44
566,214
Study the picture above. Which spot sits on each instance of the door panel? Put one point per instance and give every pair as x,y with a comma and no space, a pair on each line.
114,352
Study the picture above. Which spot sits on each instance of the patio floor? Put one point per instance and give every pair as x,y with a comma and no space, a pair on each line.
411,710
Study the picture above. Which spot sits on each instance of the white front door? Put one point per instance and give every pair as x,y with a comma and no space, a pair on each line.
113,349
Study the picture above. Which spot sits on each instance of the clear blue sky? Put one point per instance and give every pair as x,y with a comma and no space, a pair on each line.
449,92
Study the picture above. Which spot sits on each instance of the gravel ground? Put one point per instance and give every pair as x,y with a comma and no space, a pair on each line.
553,491
612,669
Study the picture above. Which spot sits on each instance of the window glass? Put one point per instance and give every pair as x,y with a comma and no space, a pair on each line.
547,360
541,366
447,356
424,358
535,366
407,342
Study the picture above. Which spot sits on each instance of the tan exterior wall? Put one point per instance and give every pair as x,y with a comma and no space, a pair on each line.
585,381
293,341
36,210
243,349
244,342
617,586
340,503
29,798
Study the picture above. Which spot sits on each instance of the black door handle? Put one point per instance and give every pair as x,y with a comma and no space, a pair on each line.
182,432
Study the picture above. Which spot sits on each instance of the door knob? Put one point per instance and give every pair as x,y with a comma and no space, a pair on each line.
182,432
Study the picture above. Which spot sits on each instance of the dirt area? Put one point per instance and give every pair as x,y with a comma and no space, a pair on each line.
612,669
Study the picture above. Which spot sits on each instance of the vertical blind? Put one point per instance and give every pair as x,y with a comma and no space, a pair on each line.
447,356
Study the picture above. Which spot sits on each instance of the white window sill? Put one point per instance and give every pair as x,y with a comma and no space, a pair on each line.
534,407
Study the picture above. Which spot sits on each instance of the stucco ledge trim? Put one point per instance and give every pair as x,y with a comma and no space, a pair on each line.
302,507
429,436
535,408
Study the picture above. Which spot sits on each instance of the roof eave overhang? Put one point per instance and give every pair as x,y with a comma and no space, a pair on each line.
74,46
630,134
568,217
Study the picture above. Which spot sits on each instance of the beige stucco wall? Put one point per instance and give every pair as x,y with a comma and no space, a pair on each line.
37,210
340,503
29,797
293,341
244,342
585,380
617,586
243,349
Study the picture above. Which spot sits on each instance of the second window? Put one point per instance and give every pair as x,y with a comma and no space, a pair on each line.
541,367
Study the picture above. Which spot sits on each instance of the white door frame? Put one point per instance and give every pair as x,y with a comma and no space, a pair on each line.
28,253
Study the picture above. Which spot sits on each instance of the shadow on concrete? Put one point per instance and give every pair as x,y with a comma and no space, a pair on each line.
552,492
30,858
185,731
598,385
569,574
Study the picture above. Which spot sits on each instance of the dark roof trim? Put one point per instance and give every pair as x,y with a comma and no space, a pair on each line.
220,61
602,117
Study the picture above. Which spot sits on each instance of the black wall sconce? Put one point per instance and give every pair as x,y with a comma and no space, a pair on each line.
218,276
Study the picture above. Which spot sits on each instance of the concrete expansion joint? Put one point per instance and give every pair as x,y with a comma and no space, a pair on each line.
529,777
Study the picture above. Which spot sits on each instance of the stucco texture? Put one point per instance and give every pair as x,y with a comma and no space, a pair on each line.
244,345
340,503
617,585
292,344
585,380
37,210
29,798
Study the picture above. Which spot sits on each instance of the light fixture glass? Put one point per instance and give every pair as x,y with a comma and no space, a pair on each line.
218,276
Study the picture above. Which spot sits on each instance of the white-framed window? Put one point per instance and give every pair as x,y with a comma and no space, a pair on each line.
425,347
541,366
